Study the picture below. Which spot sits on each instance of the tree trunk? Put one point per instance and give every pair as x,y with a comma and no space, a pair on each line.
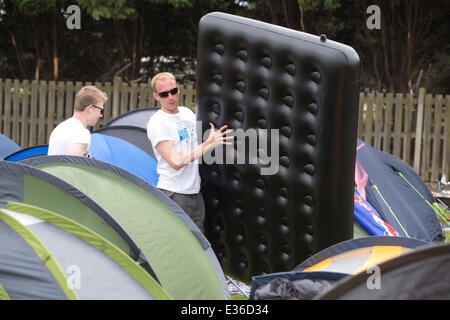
273,12
55,49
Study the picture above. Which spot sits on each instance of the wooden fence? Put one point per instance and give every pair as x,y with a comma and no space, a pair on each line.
389,122
31,109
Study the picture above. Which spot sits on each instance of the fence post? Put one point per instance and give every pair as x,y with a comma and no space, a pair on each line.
419,128
16,112
446,152
24,141
388,123
438,102
117,85
7,109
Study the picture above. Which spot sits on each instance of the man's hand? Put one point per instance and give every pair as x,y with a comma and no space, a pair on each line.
218,137
178,160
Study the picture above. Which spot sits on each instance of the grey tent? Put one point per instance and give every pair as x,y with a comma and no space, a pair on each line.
44,255
422,274
137,118
22,183
7,146
398,193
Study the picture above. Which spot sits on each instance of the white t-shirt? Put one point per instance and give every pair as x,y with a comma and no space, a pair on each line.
180,128
66,133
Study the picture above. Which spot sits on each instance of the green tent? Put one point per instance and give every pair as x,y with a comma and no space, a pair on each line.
44,255
22,183
180,255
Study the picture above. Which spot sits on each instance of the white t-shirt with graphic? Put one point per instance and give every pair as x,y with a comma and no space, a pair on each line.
66,133
179,128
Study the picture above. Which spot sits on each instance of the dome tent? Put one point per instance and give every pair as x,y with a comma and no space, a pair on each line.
322,271
419,275
398,194
356,255
22,183
156,223
7,146
27,153
136,118
134,135
36,262
125,155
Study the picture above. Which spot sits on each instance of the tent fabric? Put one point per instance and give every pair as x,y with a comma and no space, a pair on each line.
147,279
419,275
7,146
134,135
26,263
125,155
368,217
27,153
3,294
356,255
105,272
26,184
361,178
398,194
137,118
292,285
152,220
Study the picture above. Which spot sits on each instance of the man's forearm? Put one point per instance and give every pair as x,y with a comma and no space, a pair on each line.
186,157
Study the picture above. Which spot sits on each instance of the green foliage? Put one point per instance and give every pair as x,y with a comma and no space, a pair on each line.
36,7
314,5
118,9
156,35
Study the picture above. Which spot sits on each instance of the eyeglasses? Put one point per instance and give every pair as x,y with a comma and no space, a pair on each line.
101,109
165,94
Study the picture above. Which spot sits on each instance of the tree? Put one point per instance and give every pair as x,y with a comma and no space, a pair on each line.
138,38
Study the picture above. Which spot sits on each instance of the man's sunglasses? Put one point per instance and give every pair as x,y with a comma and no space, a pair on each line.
101,109
165,94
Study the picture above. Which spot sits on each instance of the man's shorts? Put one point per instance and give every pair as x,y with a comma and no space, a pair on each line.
192,204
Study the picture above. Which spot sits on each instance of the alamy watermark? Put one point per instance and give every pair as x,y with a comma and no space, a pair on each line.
374,280
253,146
73,280
73,17
374,20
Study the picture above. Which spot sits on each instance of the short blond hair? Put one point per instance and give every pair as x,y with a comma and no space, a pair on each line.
161,76
88,95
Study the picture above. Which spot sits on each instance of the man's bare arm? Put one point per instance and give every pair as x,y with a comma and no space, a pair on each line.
77,149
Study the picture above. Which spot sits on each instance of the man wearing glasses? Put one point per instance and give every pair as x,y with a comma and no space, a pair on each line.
71,137
172,133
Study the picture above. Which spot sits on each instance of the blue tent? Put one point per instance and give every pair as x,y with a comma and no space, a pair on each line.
132,134
27,153
7,146
125,155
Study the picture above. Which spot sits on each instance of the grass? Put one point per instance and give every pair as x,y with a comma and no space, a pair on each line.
444,217
447,236
238,297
